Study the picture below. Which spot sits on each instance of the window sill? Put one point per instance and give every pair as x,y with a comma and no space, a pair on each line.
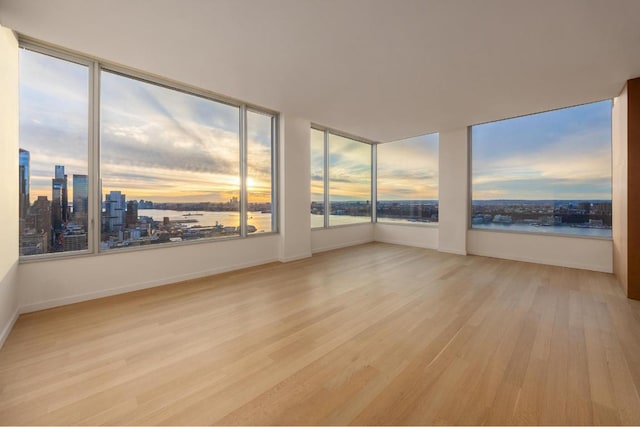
533,233
88,254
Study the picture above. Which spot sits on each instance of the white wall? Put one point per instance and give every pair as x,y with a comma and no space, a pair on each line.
575,252
50,283
8,181
54,282
619,154
453,191
326,239
420,236
295,196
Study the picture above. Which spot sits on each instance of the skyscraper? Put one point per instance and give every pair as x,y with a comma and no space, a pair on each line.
132,213
81,199
115,211
59,207
40,215
24,178
65,192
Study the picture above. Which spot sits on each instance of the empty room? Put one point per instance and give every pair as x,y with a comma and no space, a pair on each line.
320,212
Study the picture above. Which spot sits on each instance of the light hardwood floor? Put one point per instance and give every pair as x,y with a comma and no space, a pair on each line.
374,334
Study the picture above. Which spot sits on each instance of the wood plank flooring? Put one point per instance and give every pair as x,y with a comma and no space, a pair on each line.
373,334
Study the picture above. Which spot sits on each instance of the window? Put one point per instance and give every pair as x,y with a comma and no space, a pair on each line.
407,173
174,165
317,178
169,164
260,188
53,157
544,173
348,180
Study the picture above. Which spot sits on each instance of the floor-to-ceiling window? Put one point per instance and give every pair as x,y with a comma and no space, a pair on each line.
112,159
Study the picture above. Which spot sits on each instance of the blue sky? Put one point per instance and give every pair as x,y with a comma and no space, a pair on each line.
563,155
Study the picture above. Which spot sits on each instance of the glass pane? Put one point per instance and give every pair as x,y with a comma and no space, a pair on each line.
259,167
544,173
408,180
53,157
317,178
169,165
349,181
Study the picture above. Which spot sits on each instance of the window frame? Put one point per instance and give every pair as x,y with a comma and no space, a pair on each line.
95,67
326,196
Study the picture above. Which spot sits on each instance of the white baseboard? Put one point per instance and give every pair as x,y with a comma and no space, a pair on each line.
56,302
452,251
405,243
7,328
295,257
576,265
340,245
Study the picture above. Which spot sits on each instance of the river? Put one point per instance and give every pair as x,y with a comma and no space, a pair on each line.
262,221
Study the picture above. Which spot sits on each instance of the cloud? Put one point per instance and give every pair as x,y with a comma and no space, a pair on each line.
408,169
563,154
170,151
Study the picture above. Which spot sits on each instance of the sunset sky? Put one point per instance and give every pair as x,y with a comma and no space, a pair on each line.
164,145
156,143
408,169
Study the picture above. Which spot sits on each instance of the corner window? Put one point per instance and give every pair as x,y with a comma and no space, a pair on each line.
346,171
407,184
174,164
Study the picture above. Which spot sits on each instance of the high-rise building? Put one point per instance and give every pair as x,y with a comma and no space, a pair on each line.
36,238
115,211
24,178
59,207
81,199
56,203
39,217
60,199
75,242
132,213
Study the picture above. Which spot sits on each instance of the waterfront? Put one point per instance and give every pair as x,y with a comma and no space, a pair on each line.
551,229
262,221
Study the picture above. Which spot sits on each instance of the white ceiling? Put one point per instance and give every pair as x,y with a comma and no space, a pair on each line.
381,69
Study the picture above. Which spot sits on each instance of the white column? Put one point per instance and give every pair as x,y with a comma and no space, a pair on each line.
453,191
295,195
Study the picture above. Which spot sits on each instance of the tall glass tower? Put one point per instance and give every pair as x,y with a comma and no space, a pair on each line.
80,199
59,208
24,179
